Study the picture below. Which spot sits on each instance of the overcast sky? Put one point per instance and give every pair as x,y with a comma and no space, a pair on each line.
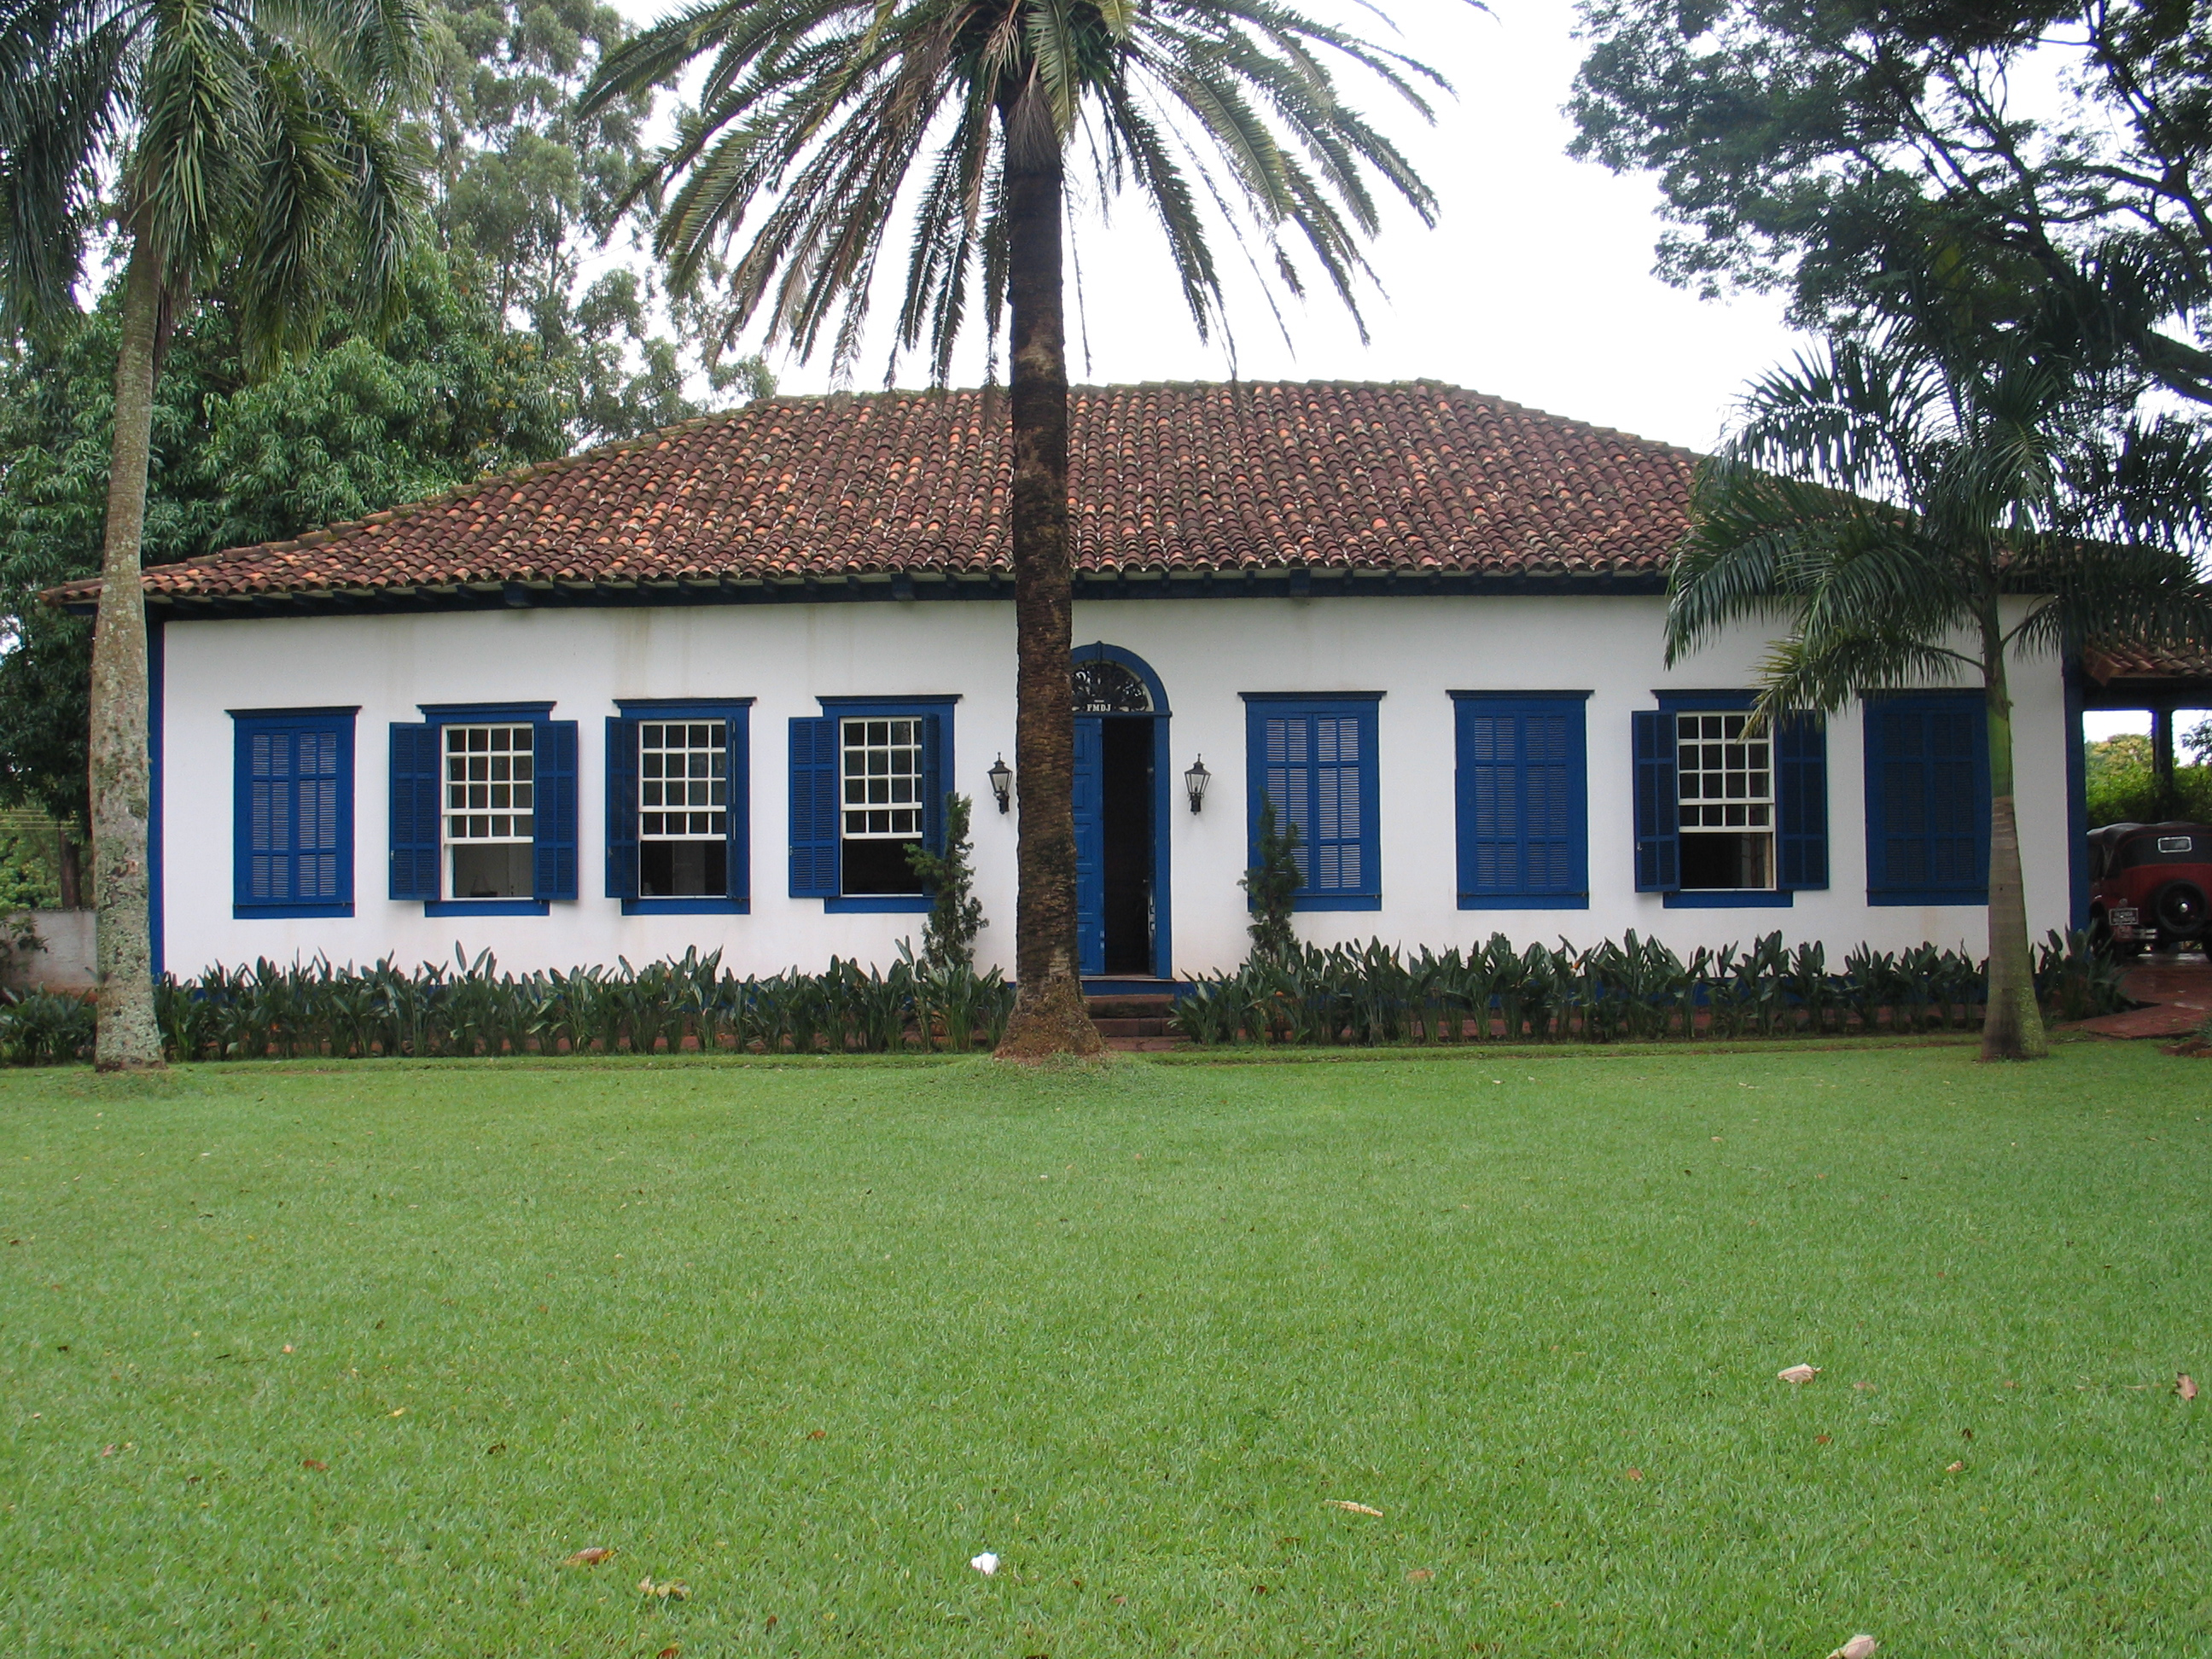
1535,284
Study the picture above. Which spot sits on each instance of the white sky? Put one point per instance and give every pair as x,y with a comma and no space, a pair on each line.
1535,285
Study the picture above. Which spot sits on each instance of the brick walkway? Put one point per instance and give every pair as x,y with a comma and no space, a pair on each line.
2179,990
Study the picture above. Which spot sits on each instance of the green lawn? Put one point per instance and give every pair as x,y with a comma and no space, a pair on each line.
807,1337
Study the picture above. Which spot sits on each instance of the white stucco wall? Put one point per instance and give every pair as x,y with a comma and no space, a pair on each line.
1207,652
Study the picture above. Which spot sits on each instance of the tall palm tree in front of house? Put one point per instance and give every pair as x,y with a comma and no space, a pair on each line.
247,145
827,112
1924,510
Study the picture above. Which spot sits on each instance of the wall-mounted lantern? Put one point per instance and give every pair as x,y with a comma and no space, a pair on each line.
1002,781
1195,782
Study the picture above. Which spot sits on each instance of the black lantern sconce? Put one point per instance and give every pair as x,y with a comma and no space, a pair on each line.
1195,782
1002,781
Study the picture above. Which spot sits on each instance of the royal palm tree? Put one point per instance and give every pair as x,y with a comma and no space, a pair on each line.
1920,509
831,112
244,144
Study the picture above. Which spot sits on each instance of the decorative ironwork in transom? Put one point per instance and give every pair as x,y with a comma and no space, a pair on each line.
1107,687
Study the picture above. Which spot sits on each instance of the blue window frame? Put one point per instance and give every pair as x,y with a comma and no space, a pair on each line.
502,810
679,798
1522,789
867,777
1928,799
1728,816
1314,758
292,817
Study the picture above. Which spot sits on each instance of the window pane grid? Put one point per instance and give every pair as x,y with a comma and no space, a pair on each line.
881,769
682,779
489,788
1725,780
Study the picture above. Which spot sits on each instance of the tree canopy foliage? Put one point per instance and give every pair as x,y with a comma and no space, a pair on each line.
2034,153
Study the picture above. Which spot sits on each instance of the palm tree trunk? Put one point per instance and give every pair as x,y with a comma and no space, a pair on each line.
1049,1015
129,1037
2012,1029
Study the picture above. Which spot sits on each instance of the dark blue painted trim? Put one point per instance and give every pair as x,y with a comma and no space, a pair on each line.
483,713
1369,895
157,670
1305,902
926,703
487,907
1313,696
277,912
687,906
293,713
1163,794
1099,985
1891,897
1099,651
1880,891
866,904
1725,700
1525,901
2077,799
1713,898
682,707
997,587
1517,696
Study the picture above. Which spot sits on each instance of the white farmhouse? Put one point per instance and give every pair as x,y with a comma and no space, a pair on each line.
704,688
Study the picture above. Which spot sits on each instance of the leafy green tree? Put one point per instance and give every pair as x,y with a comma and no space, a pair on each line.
445,395
1273,884
255,142
2121,780
1842,147
829,113
956,914
1914,507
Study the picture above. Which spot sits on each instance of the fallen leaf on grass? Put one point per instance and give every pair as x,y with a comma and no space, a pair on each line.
1821,1439
2183,1386
1798,1373
1859,1647
316,1464
402,1411
1952,1468
818,1434
668,1652
590,1557
1635,1474
669,1590
1351,1508
1419,1575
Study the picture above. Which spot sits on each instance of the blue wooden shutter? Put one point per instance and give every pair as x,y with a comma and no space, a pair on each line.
814,868
1316,764
1928,799
1523,803
738,766
1658,810
293,842
1087,796
1341,756
1286,764
555,805
414,790
622,807
1801,800
933,783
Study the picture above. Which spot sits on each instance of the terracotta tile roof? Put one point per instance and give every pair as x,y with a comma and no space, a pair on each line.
2108,662
1416,477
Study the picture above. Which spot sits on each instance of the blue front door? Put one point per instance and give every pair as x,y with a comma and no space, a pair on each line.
1089,844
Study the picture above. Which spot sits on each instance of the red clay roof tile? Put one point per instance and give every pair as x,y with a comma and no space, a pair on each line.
1417,476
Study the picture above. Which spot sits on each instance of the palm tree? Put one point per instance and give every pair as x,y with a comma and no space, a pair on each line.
243,143
831,111
1920,508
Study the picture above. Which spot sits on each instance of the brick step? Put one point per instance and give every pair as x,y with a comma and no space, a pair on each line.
1126,1026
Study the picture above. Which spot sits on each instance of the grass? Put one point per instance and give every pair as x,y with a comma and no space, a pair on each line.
807,1337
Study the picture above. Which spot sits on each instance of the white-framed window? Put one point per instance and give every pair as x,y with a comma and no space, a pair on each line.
683,808
1724,775
880,801
881,769
490,821
682,779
